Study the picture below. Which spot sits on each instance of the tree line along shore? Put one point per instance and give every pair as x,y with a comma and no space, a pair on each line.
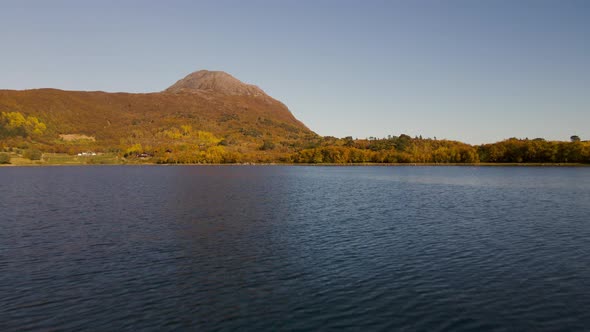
402,150
27,140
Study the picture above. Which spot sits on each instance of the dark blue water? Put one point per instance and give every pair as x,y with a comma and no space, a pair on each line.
295,248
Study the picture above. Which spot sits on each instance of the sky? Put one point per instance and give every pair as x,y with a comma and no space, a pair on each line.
474,71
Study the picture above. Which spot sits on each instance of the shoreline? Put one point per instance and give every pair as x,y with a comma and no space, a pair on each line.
317,165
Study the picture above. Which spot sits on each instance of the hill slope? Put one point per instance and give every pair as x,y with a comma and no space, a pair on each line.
237,116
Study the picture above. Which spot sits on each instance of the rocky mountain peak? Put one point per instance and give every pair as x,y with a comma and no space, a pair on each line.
215,81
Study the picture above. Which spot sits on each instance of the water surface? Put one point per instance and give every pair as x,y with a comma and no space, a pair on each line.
295,248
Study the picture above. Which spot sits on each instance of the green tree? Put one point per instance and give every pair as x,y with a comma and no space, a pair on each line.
575,138
4,158
33,154
267,145
348,141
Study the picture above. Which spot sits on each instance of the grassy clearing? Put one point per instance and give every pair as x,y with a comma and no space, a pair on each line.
66,159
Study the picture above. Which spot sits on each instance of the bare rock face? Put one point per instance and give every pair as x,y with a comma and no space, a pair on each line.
215,81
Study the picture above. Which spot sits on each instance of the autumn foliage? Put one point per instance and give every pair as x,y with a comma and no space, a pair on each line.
404,149
208,127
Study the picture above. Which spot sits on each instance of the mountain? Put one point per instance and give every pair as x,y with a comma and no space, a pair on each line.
202,110
215,81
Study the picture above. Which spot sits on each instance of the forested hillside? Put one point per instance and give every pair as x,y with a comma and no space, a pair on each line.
211,117
206,117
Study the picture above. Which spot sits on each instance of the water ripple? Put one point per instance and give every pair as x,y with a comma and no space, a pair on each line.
295,248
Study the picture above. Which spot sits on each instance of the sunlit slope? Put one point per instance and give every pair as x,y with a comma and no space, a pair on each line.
212,102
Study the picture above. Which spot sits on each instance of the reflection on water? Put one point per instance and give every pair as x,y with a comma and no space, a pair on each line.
226,248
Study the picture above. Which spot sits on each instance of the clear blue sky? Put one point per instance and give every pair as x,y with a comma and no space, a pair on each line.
476,71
